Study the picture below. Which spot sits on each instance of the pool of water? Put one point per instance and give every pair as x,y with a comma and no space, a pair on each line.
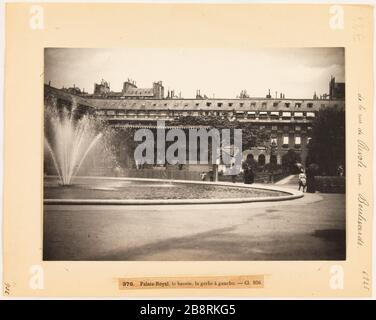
102,188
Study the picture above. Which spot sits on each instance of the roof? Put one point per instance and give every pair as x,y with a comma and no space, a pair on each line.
247,104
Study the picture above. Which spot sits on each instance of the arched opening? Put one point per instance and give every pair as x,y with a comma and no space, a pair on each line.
273,159
261,160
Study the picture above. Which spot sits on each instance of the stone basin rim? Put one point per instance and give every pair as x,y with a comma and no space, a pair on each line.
291,194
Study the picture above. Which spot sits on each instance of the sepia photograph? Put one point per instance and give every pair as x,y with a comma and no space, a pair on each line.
194,154
188,150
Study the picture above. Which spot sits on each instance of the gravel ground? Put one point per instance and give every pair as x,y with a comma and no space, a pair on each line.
309,228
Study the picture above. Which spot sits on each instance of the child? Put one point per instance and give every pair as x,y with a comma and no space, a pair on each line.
302,180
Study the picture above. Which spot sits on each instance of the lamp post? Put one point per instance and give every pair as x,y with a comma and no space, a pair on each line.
273,148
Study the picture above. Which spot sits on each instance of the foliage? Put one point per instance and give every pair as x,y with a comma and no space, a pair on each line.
330,184
290,159
250,134
327,146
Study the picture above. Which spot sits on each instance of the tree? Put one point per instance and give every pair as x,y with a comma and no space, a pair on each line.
290,159
327,146
251,136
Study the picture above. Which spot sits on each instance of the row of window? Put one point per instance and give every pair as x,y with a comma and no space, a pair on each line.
263,104
286,141
285,128
249,114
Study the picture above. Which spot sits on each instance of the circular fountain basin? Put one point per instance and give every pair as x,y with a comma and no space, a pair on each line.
135,191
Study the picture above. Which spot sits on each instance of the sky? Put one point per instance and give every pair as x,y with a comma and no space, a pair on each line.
219,73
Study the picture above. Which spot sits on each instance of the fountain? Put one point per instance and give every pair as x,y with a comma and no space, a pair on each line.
69,137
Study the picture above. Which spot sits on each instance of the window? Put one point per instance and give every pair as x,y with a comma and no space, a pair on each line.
197,104
253,104
241,104
310,114
110,113
262,127
285,141
287,104
263,114
309,140
264,104
275,104
219,104
286,114
298,141
310,105
298,105
297,128
298,114
274,128
273,141
274,114
230,104
208,104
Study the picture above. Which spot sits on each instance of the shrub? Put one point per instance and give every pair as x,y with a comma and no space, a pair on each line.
330,184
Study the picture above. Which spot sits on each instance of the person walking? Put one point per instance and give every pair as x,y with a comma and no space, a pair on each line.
340,170
302,180
249,166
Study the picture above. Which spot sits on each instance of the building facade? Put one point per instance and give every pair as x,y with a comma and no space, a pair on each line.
288,122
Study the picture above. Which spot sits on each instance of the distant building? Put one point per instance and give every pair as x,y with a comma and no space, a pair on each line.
129,91
101,89
336,89
75,90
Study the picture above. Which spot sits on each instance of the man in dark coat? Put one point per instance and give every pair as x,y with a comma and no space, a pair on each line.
249,166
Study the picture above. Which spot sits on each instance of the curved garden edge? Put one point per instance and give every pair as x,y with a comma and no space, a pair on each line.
292,194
